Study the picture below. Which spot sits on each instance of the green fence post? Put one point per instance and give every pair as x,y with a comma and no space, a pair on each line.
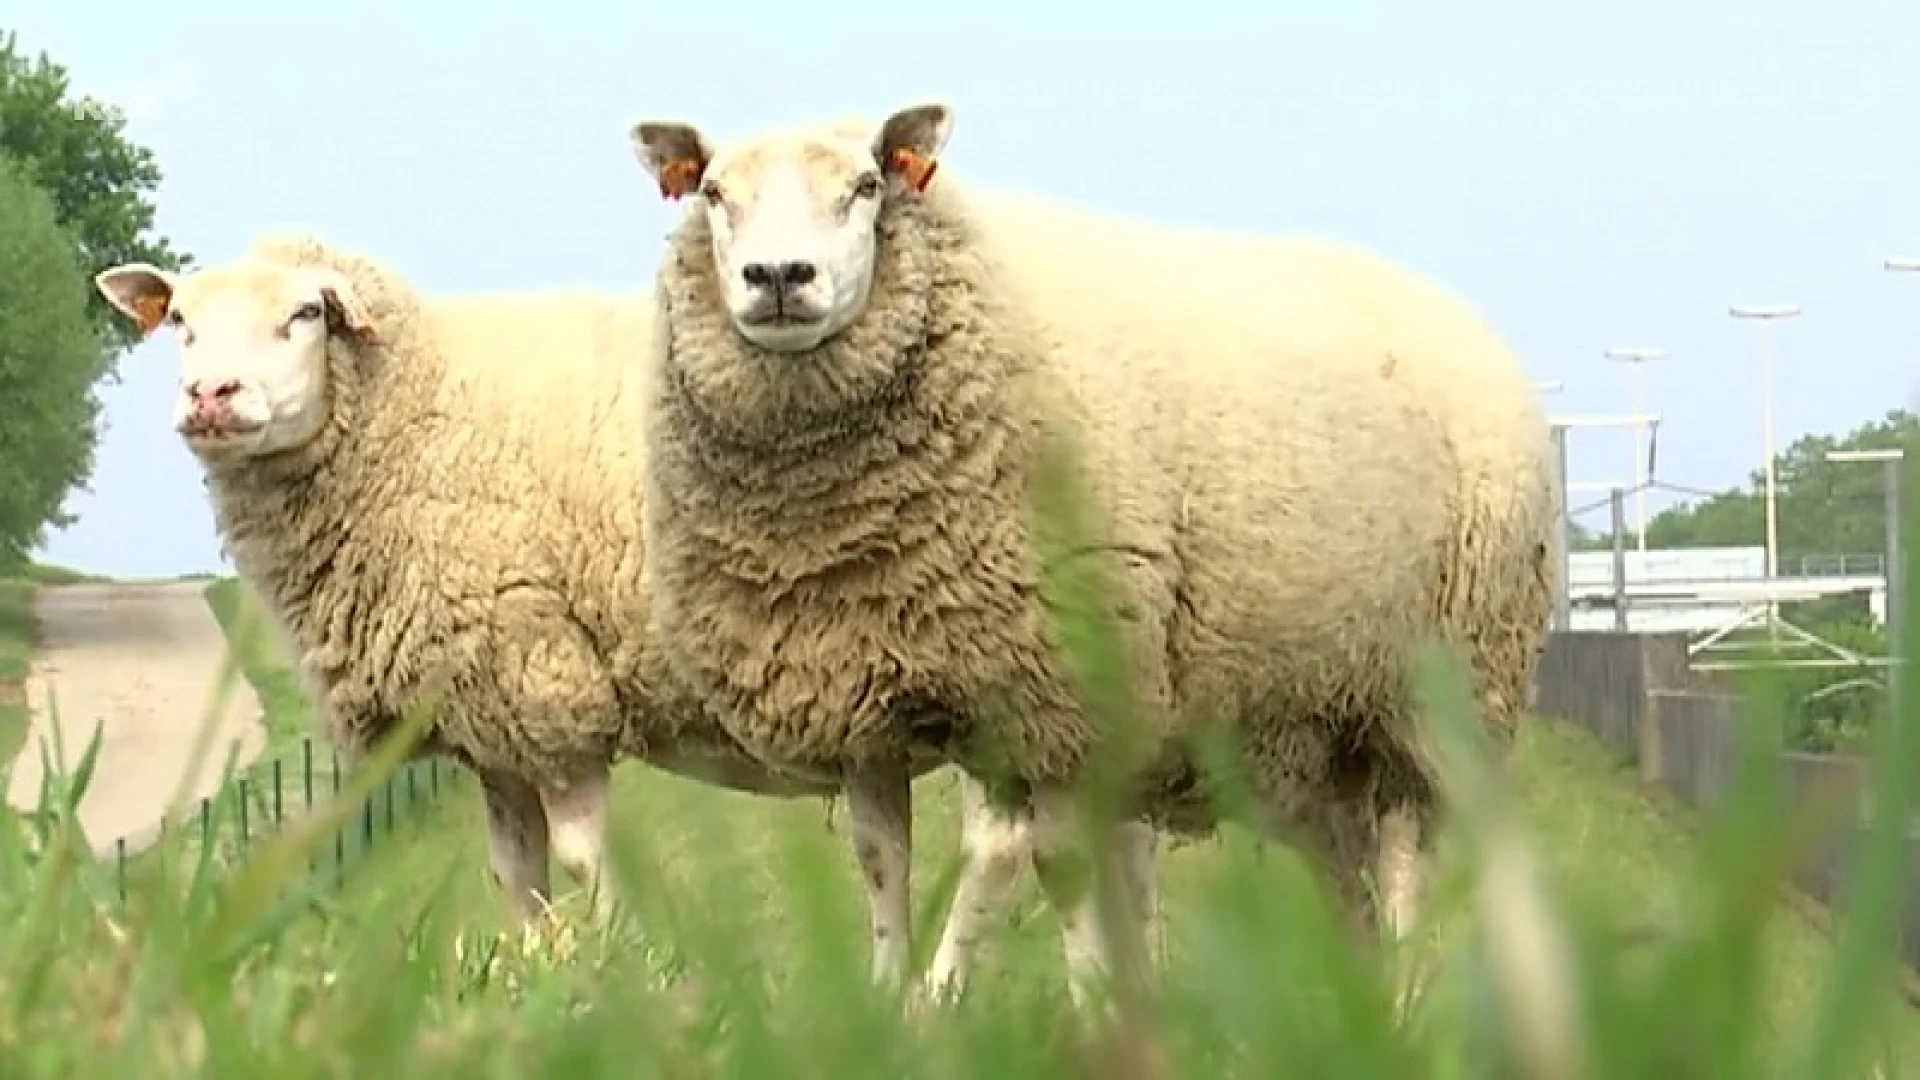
339,834
245,834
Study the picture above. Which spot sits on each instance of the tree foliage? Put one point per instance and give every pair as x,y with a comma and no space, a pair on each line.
100,182
50,359
75,196
1822,508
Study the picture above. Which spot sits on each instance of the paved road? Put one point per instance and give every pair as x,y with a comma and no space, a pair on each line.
142,661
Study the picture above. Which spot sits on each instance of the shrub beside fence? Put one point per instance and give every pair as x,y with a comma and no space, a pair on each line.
258,801
1637,692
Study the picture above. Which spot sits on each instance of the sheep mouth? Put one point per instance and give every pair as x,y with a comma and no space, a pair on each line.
207,433
782,319
782,309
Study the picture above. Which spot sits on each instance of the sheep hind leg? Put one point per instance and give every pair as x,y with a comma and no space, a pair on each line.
517,843
1139,842
576,816
880,811
1376,853
995,844
1401,869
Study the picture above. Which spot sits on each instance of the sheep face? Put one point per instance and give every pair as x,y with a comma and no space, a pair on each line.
253,347
792,214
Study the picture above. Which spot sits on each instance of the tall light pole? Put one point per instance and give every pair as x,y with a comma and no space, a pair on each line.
1895,572
1637,360
1767,316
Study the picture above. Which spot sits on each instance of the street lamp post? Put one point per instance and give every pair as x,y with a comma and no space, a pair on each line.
1895,573
1561,425
1637,360
1767,316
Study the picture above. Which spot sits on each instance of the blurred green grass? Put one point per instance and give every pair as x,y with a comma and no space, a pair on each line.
1659,930
262,661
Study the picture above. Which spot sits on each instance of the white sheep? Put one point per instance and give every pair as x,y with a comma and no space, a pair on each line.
1306,459
439,494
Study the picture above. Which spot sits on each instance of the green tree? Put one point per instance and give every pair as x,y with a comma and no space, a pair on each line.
1822,507
50,360
99,181
1583,538
75,197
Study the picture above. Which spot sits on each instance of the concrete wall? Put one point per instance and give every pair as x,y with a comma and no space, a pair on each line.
1637,693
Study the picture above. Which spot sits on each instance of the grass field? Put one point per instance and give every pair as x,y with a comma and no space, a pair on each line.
1646,946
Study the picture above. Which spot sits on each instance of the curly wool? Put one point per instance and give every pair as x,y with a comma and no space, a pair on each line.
1497,590
464,527
839,541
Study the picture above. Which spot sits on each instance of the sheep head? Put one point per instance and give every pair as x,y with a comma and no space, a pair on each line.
792,213
253,340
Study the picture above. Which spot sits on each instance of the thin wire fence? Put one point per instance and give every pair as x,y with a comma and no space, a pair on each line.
256,803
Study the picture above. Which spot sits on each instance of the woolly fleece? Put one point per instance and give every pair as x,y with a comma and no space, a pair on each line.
1281,437
464,524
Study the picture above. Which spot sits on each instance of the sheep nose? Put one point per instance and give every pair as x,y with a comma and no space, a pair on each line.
206,393
779,276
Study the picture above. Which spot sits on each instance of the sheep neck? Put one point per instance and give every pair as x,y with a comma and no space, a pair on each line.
291,517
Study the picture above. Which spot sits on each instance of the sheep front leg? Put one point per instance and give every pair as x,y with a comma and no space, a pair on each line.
995,844
576,817
1066,866
880,808
517,843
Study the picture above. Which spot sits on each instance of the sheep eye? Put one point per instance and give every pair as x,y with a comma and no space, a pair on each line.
173,318
867,186
307,312
710,191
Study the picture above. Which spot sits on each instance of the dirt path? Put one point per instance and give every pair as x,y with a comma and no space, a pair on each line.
142,661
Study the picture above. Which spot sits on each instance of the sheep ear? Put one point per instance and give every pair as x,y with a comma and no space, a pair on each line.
675,155
140,291
347,313
909,143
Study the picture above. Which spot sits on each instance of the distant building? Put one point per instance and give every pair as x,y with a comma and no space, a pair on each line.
1702,589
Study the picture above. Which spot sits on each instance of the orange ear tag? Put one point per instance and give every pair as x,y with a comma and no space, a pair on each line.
149,310
678,178
917,171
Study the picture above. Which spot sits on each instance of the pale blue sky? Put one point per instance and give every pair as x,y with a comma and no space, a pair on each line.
1614,175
